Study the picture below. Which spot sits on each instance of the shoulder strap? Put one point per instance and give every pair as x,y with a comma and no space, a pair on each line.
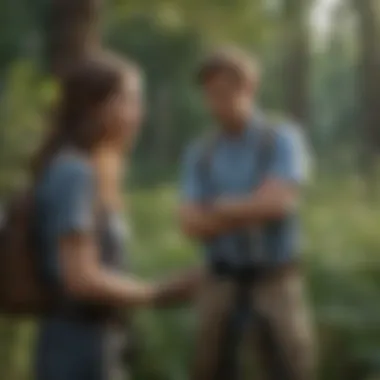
265,151
204,165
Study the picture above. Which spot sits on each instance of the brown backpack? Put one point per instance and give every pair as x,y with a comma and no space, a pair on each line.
21,293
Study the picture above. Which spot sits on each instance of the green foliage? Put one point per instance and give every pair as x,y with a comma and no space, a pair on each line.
174,113
167,42
24,99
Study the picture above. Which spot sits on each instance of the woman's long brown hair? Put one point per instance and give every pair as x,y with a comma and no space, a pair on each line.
85,90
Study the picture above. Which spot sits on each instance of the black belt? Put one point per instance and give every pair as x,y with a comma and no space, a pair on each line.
252,272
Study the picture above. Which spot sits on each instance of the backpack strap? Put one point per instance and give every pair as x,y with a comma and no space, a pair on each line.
266,148
209,143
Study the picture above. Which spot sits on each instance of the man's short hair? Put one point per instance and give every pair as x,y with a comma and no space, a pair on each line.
229,59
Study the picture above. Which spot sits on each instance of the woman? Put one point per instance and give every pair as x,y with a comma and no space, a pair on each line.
78,228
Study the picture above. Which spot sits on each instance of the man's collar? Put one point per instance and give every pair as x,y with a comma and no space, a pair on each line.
257,118
253,123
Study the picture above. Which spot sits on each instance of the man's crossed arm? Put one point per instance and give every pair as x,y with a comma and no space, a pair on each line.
273,200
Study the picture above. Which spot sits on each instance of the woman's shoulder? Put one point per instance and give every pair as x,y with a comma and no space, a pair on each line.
66,171
70,166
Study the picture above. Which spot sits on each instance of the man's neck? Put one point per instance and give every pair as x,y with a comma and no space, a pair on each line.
238,125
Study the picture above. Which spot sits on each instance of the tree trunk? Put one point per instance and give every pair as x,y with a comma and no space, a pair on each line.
369,80
296,60
72,32
163,124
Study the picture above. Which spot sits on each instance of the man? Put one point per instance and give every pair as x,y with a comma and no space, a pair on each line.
246,217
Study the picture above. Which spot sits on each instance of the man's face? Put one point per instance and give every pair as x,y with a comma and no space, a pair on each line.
228,98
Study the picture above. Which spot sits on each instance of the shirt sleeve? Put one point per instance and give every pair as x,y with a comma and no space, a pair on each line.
291,160
190,186
77,199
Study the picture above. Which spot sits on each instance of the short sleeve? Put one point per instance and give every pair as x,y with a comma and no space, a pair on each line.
190,186
291,157
76,201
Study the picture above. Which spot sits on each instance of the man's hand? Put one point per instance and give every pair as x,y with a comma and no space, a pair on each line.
272,201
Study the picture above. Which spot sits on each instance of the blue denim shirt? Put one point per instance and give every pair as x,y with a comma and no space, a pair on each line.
233,171
65,203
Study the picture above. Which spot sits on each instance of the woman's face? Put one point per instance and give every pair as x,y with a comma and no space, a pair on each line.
129,111
133,110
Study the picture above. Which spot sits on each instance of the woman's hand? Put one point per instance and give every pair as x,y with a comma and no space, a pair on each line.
178,290
142,294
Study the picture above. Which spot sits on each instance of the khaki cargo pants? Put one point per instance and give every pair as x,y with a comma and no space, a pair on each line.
282,349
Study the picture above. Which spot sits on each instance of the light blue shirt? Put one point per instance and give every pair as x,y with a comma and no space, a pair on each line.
233,171
70,346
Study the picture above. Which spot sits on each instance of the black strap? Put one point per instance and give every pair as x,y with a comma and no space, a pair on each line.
265,154
204,165
228,360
